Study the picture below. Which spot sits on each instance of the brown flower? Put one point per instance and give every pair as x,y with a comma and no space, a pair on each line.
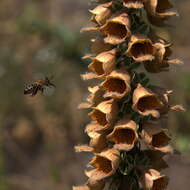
98,139
91,185
156,158
135,4
117,84
105,113
95,185
95,97
92,127
124,134
116,29
159,11
146,102
164,97
105,164
101,13
103,63
99,46
141,48
155,137
152,180
162,61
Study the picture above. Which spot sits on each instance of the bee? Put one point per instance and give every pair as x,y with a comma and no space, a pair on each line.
38,85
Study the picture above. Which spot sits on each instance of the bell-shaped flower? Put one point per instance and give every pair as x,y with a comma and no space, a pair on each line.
101,13
153,180
159,11
104,63
105,164
117,84
155,137
105,113
124,134
141,48
116,29
145,102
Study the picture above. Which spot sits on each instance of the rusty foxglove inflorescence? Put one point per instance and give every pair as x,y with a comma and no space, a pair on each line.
127,139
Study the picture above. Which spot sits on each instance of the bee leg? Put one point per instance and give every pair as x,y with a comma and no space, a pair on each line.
35,91
51,84
41,89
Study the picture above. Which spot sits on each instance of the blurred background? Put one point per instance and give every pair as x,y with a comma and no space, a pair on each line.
37,135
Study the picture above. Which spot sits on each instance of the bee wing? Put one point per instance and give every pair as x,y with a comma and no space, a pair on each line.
48,91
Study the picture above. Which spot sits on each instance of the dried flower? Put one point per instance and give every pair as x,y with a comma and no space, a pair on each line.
105,164
163,95
92,127
155,137
117,84
103,63
146,102
159,11
98,139
95,185
101,13
124,134
99,46
141,48
157,159
94,98
116,29
152,180
105,113
121,103
162,52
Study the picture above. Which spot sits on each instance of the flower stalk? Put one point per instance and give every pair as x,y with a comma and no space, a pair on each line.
127,140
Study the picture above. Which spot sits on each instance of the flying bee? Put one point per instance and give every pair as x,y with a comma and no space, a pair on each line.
38,85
